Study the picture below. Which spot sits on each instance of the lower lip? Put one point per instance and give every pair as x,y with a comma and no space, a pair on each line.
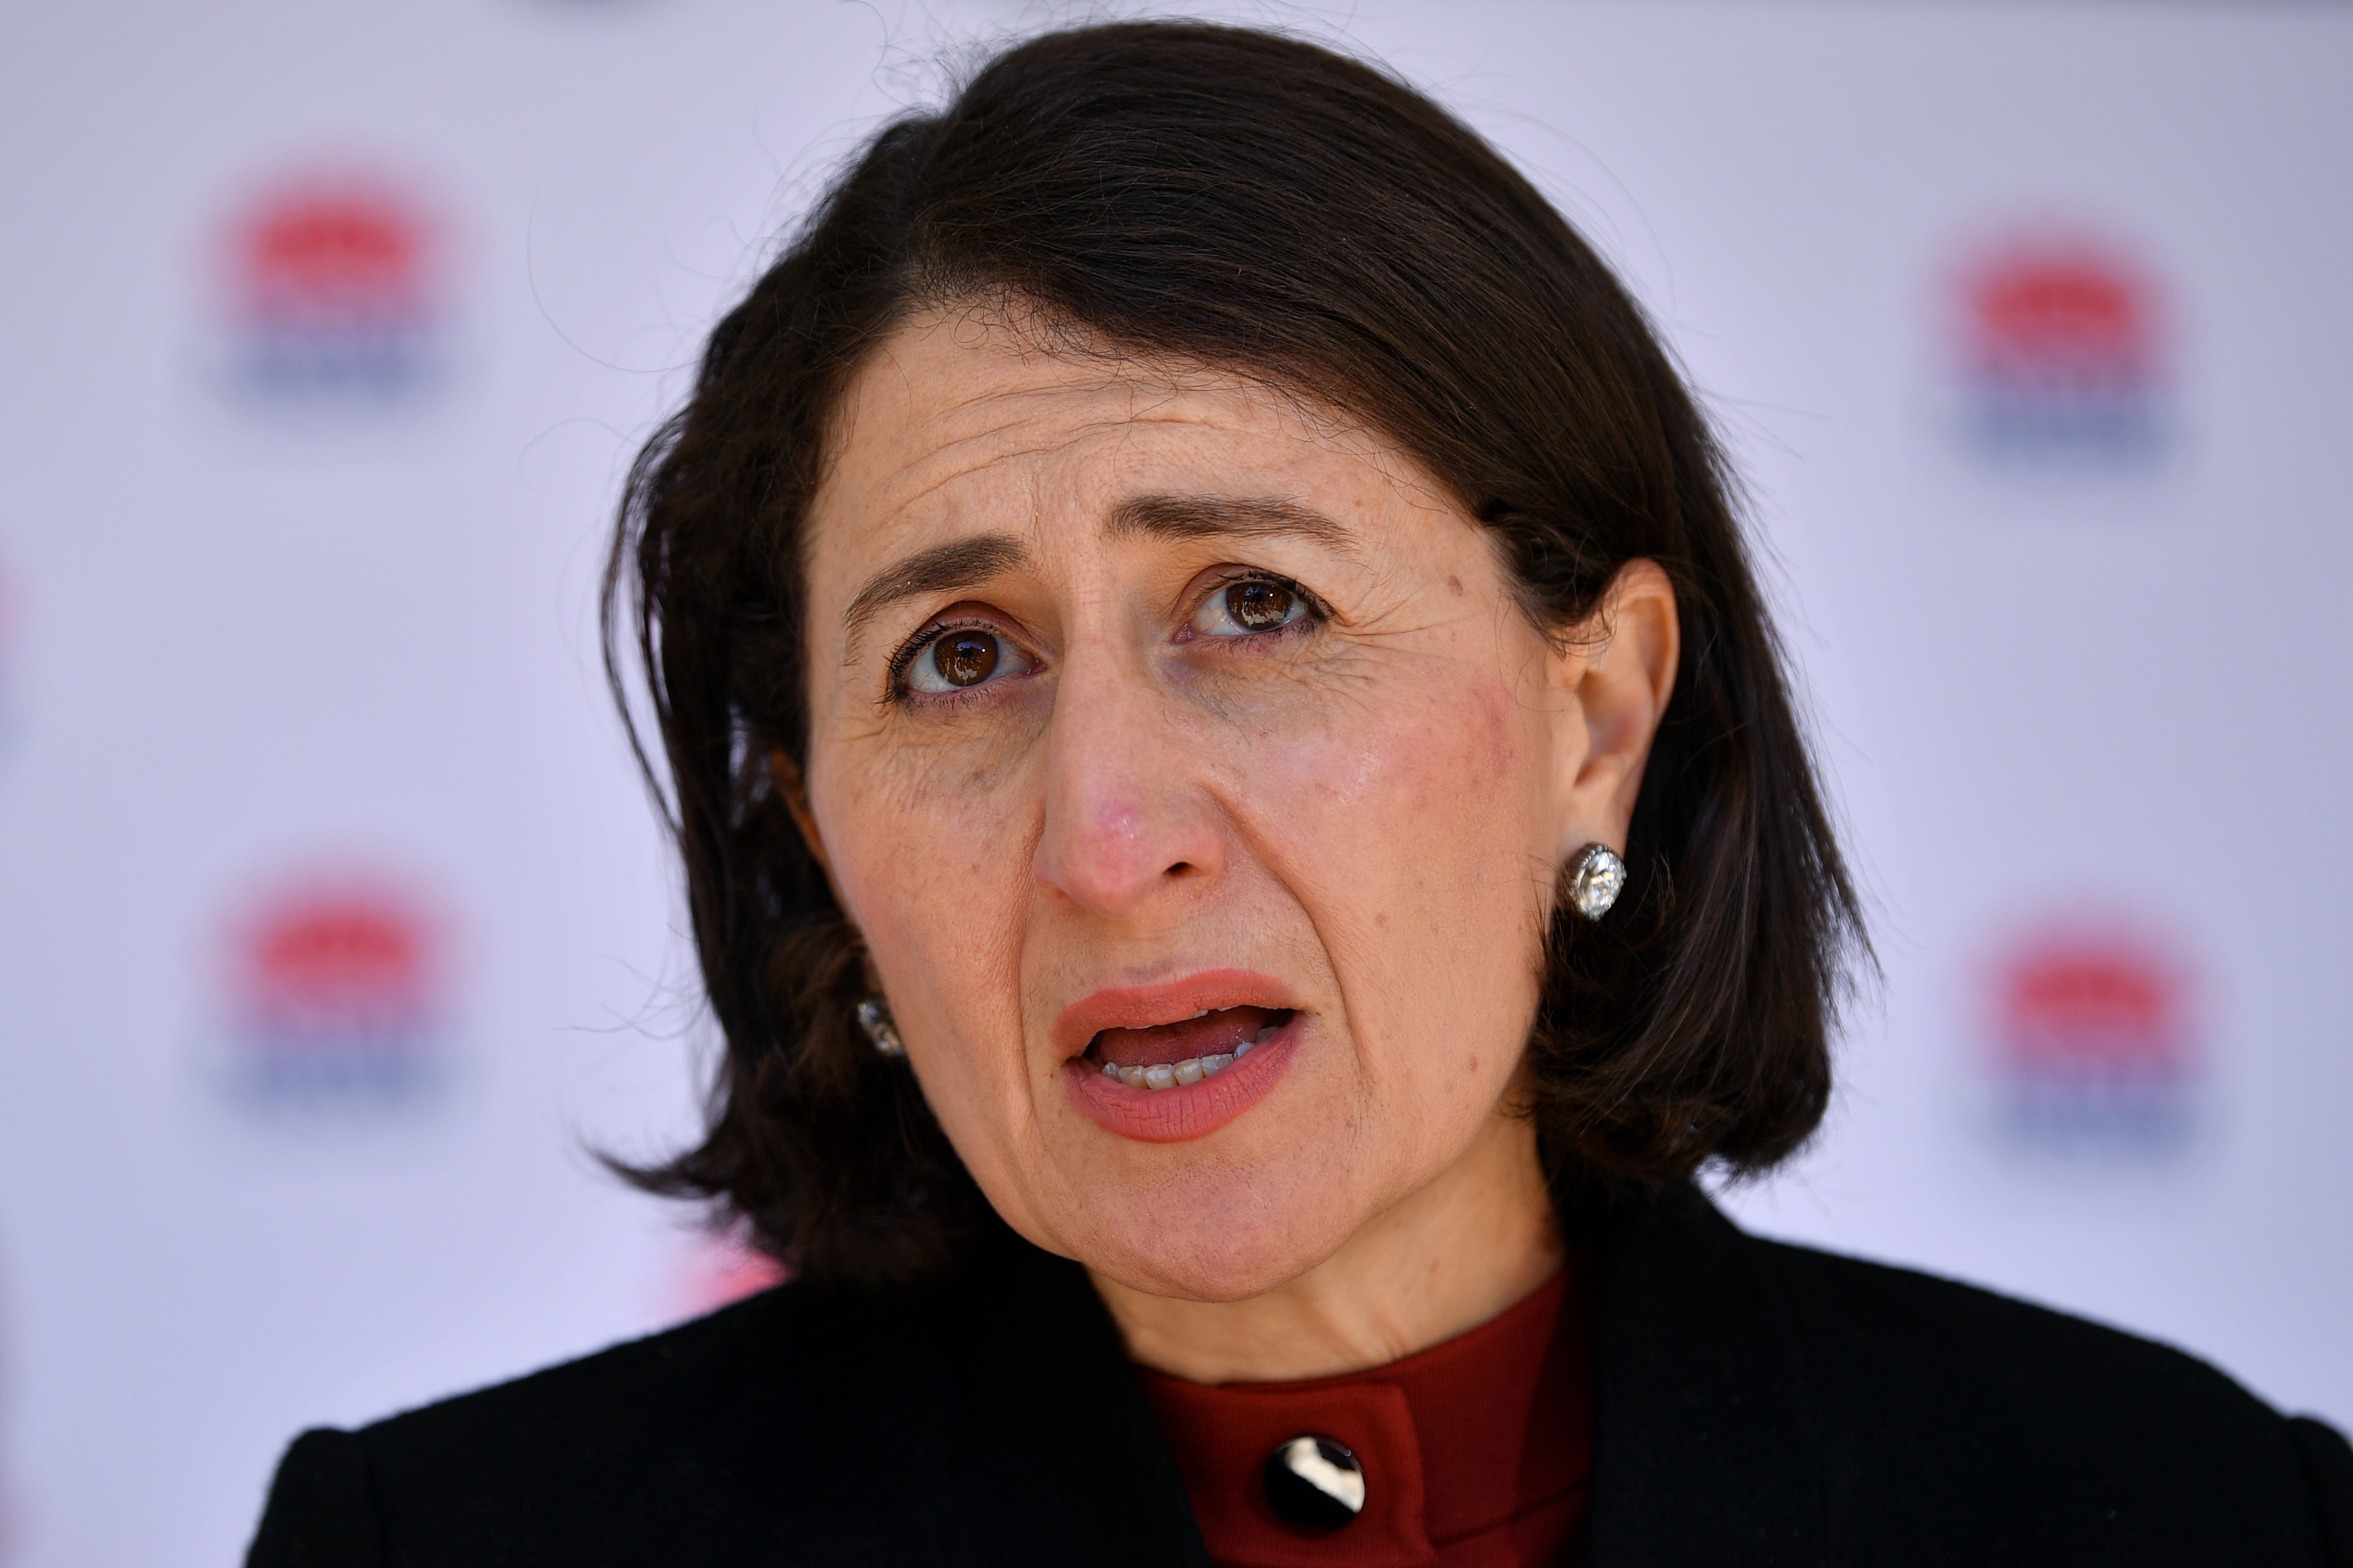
1191,1110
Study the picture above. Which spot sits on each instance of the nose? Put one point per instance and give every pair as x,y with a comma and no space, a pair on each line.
1127,820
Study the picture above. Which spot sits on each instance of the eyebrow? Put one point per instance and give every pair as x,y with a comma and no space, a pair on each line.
1229,517
968,562
959,564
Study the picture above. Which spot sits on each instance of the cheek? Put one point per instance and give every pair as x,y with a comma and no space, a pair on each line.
930,870
1419,863
1382,768
936,875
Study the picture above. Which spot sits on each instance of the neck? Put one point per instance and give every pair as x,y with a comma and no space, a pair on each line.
1456,1253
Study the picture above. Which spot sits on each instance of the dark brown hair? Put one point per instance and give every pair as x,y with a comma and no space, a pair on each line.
1241,200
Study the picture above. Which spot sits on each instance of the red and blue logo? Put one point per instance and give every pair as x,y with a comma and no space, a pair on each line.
338,999
720,1270
336,292
2059,353
2093,1049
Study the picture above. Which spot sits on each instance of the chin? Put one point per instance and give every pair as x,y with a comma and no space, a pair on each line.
1214,1253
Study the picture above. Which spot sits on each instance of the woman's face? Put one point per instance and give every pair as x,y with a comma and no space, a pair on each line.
1162,725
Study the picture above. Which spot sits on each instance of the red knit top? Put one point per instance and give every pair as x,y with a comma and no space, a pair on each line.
1475,1452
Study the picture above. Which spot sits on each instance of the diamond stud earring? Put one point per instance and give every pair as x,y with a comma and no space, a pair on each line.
874,1018
1595,880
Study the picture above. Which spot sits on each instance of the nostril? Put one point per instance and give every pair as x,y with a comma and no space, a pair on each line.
1182,868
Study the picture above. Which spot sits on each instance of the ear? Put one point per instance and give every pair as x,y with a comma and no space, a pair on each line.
786,774
1611,680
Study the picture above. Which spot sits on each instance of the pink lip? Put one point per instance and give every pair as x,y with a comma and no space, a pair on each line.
1188,1111
1141,1006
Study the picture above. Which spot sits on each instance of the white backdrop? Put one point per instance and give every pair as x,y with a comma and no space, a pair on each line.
334,931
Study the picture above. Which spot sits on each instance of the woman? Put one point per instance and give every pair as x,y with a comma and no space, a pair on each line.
1245,833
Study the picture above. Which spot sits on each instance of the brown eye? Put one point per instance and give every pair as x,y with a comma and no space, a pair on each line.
965,658
961,659
1248,607
1258,607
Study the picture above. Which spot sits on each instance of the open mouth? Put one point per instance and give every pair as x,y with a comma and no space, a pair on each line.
1141,1057
1165,1056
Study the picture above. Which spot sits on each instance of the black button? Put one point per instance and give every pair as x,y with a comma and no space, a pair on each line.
1314,1484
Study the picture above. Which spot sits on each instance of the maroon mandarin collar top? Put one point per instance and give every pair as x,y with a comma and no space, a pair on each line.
1475,1452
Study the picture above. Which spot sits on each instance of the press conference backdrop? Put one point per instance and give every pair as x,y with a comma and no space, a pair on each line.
336,934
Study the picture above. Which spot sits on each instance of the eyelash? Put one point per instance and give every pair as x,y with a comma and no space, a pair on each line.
921,644
1316,612
917,646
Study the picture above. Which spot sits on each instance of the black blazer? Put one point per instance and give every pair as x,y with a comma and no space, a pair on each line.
1756,1403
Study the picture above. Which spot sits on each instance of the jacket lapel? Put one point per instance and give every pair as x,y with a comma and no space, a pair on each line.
1057,1459
1047,1453
1702,1453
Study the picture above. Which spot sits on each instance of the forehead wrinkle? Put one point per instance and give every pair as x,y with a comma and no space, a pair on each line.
1175,516
1007,412
958,462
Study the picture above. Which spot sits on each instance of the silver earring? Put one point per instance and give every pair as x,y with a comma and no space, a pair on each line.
874,1018
1595,880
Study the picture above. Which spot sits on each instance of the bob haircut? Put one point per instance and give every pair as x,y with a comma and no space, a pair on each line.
1245,202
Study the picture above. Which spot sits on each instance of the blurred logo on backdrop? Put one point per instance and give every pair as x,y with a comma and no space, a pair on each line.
2059,353
717,1271
2092,1047
335,291
336,998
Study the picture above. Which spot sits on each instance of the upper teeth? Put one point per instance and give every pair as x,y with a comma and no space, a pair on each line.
1192,1069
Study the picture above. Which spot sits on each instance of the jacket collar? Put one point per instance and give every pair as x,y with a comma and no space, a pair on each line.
1703,1451
1051,1452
